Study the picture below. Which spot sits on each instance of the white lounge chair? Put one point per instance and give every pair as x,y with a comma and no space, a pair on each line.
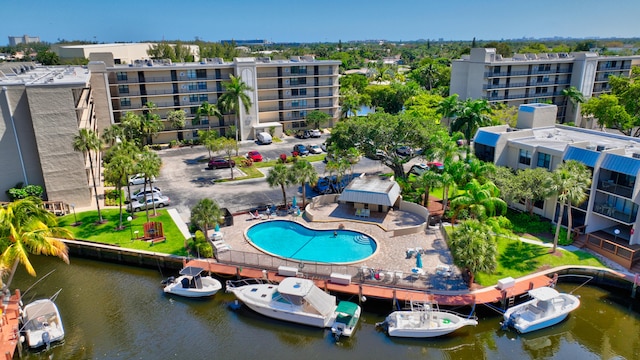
256,216
217,235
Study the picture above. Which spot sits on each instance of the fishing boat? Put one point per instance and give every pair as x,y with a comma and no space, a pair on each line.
546,308
192,284
424,320
296,300
41,324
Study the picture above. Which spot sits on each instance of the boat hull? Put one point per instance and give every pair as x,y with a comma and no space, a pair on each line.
210,287
42,324
419,324
534,314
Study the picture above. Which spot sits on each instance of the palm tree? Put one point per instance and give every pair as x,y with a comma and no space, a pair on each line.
149,164
27,228
177,119
235,96
482,200
132,123
278,175
208,110
471,115
569,182
303,172
427,181
448,107
150,125
474,248
113,134
574,96
117,171
206,213
87,141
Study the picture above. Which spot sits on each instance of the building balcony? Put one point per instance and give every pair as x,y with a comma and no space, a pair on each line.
521,96
524,84
491,74
611,187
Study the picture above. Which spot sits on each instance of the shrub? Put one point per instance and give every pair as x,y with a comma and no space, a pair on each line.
525,224
201,246
111,197
562,238
20,192
173,143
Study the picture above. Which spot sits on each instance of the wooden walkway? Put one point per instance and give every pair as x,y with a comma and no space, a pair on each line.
452,298
9,322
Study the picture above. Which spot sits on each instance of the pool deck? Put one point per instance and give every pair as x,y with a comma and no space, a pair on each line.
391,254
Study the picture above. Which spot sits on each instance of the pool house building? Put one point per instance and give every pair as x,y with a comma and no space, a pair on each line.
609,216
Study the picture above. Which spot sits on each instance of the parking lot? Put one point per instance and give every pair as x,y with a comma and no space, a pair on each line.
185,179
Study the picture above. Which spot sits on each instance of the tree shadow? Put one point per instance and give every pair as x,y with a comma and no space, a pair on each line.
521,256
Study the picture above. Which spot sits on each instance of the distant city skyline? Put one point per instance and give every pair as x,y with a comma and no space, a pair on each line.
307,22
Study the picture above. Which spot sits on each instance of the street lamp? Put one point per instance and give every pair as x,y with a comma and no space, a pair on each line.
129,218
617,232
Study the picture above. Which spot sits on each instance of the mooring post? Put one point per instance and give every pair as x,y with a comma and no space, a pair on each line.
635,287
394,303
360,294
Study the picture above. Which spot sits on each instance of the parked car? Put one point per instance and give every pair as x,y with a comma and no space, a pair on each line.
315,133
138,179
377,155
300,149
323,146
323,186
218,163
314,149
141,204
303,134
404,150
419,169
254,156
264,138
142,193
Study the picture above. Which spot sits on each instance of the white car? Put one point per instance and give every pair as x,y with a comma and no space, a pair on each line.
138,179
138,205
314,149
142,193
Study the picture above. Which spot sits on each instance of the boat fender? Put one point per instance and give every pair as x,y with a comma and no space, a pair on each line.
235,305
446,321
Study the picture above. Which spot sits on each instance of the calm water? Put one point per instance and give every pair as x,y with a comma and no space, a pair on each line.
120,312
294,241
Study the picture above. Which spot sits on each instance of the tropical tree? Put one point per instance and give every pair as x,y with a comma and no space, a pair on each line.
235,96
177,120
206,214
149,164
482,200
150,124
351,101
278,176
572,96
117,171
131,124
303,172
113,134
228,145
608,111
207,110
425,182
317,118
27,228
569,183
471,115
448,107
209,139
87,141
474,248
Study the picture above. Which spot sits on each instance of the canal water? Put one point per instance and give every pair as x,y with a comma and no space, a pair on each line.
120,312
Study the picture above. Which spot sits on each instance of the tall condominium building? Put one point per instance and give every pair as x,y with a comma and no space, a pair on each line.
41,110
609,216
283,92
536,78
24,39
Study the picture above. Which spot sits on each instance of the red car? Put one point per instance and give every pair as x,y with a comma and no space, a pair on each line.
221,163
255,156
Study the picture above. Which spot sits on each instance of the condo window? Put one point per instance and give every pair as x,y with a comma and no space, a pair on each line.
191,74
298,92
298,69
299,81
544,67
123,89
192,86
496,69
544,160
193,98
299,103
201,74
203,97
122,76
202,85
194,110
496,81
525,157
125,102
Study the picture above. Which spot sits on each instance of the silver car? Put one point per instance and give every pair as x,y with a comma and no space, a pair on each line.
141,204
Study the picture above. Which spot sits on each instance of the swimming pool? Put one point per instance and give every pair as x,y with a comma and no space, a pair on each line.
291,240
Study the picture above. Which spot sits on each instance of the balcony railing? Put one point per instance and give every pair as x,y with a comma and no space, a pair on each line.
522,96
524,84
611,187
491,74
622,254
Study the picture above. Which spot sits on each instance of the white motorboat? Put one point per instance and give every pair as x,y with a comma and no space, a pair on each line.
347,316
191,284
41,324
424,320
296,300
546,308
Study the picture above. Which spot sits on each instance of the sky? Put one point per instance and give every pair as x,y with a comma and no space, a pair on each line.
316,21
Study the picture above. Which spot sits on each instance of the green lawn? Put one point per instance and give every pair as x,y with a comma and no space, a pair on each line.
517,259
108,234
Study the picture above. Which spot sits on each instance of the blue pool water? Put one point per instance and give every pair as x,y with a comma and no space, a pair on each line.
291,240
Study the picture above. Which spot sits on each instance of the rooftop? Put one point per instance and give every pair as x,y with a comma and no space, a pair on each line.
34,74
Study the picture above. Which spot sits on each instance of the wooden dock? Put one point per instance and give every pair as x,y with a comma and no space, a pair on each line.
9,326
451,298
